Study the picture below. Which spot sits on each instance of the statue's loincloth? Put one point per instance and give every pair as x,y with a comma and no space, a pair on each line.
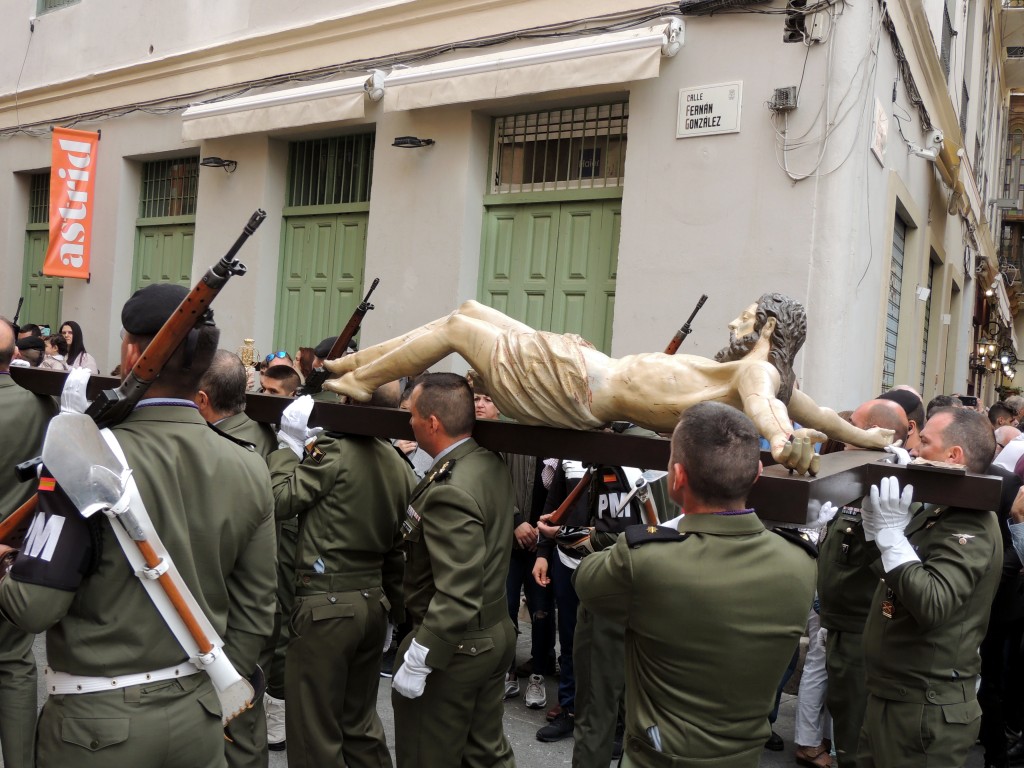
540,378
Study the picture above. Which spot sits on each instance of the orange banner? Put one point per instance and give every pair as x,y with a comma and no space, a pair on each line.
72,177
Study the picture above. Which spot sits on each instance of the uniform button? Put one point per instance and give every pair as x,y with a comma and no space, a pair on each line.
472,649
94,744
849,530
332,599
305,579
931,694
366,595
902,691
460,646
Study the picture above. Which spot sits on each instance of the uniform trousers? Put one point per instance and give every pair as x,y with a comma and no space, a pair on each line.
847,693
598,658
457,722
812,718
908,734
167,724
332,672
18,703
287,542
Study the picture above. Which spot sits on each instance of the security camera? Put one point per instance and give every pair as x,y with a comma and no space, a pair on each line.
934,139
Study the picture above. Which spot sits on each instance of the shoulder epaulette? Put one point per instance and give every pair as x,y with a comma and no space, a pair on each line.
793,536
236,440
443,472
645,534
333,434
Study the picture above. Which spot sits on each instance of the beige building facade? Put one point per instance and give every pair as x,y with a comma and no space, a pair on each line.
591,166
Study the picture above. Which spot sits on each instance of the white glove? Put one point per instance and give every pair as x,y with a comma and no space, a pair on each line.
411,677
901,455
295,432
388,633
73,398
891,514
825,514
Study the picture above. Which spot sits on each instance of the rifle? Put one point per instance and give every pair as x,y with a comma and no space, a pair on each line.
14,322
315,382
555,518
682,333
113,405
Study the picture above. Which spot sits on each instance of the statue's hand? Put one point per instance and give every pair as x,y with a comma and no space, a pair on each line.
878,437
797,453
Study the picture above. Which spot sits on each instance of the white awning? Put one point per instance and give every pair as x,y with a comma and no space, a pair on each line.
306,105
1004,301
618,57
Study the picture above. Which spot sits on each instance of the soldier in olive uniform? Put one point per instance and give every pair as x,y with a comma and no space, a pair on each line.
712,611
848,573
26,415
209,499
350,493
221,401
447,692
930,612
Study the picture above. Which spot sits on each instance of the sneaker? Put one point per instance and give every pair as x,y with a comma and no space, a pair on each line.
387,662
558,728
536,697
275,722
511,686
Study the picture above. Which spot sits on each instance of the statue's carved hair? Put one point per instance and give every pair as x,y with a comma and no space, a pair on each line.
787,338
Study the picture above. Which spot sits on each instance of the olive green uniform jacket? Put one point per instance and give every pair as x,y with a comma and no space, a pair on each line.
712,618
926,654
458,534
242,427
23,420
210,501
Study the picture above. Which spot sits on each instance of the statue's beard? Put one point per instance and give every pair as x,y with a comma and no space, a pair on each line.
738,348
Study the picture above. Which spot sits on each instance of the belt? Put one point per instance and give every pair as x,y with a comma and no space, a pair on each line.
311,583
489,615
63,682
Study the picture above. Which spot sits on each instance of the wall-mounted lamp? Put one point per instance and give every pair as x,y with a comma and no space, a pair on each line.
411,142
989,291
218,162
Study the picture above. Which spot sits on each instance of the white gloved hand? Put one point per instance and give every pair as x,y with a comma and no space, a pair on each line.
73,398
869,517
901,456
891,519
388,634
825,514
411,678
295,431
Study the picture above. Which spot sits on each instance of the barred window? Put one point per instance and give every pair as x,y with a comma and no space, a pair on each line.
39,198
331,171
577,148
52,5
892,315
169,188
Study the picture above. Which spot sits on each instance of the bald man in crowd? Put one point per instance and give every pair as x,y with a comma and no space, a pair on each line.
847,575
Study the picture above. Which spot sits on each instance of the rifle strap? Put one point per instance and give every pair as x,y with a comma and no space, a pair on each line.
148,576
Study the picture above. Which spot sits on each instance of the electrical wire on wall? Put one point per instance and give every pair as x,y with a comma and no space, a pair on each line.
596,25
830,117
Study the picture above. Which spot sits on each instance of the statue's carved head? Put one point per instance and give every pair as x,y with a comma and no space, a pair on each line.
787,337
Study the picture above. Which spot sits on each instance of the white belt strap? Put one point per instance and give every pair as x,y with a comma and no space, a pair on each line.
64,683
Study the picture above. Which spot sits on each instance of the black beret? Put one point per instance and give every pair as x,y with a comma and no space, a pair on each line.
149,308
904,398
323,349
31,342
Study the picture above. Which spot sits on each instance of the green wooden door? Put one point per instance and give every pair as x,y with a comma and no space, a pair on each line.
321,277
163,254
552,265
42,294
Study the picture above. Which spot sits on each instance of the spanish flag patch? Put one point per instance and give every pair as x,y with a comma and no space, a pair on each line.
47,484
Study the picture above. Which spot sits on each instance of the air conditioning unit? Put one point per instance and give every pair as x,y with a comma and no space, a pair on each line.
783,99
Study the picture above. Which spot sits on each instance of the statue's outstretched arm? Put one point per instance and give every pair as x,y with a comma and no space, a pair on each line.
808,413
792,448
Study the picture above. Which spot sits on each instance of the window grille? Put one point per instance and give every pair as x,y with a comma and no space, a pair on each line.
39,198
331,171
52,5
1015,52
169,188
947,39
964,101
577,148
892,315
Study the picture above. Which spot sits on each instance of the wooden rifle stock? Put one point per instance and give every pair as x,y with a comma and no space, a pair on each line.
682,333
555,518
315,382
112,405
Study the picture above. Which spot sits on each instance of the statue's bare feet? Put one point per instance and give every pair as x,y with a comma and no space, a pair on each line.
347,385
341,365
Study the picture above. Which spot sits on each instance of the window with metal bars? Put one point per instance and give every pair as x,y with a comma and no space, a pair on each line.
1015,52
169,188
965,99
892,314
52,5
39,198
1012,168
947,39
575,148
331,171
